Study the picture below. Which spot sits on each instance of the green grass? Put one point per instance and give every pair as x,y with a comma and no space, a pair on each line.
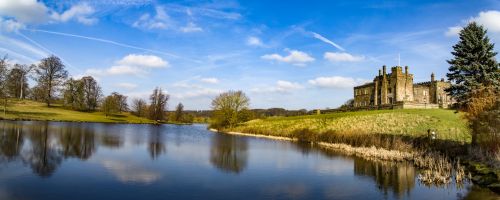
31,110
414,123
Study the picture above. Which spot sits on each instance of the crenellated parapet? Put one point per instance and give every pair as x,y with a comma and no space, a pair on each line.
398,87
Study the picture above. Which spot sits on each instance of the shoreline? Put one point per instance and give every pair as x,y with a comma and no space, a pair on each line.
103,122
364,152
380,154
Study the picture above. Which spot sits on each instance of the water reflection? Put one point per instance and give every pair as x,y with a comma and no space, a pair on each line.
77,141
116,156
229,153
111,139
398,177
156,144
388,176
11,142
43,157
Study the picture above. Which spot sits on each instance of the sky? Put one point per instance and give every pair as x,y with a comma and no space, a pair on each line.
289,54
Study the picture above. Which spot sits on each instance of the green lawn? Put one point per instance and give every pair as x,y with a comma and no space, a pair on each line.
448,124
31,110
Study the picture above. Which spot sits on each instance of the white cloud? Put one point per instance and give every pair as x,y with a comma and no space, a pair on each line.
128,86
146,61
336,82
81,12
132,64
320,37
10,25
25,11
125,70
342,57
453,31
35,12
280,87
286,86
254,41
295,57
160,21
489,19
191,27
197,92
209,80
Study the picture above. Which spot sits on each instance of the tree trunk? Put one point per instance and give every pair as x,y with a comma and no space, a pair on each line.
22,85
5,107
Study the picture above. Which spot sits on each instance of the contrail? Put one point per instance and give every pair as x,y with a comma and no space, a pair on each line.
106,41
320,37
47,50
25,58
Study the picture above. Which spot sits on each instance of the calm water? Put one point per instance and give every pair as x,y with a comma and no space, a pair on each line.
52,160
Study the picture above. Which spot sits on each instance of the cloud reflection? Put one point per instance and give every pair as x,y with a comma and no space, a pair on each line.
130,173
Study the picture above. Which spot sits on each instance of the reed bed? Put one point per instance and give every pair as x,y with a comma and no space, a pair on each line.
387,135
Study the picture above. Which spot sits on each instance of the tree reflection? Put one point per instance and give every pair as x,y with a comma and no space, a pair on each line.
229,153
43,158
398,177
11,141
156,146
77,141
111,139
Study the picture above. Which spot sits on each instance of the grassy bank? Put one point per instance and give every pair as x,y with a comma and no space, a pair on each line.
411,123
31,110
389,135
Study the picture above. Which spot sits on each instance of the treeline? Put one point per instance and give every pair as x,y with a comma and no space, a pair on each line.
52,85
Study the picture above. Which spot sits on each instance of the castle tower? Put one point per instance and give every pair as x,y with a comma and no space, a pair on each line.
383,95
433,89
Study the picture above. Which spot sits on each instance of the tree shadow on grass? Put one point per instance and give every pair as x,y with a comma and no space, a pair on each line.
28,113
117,117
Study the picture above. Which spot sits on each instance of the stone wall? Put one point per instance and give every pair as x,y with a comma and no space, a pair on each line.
397,86
363,95
421,93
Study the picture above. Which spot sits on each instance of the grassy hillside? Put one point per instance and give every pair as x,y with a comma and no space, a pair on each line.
31,110
448,124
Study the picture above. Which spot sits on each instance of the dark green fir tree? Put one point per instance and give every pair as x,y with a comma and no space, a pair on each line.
474,65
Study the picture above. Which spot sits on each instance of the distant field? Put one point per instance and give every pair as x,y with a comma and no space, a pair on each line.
448,124
31,110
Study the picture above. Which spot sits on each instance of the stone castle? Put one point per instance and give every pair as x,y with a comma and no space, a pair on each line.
397,90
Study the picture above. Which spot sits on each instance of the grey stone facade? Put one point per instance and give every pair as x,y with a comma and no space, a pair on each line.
397,89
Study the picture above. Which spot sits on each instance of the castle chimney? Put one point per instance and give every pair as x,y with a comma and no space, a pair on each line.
379,72
383,70
432,77
406,70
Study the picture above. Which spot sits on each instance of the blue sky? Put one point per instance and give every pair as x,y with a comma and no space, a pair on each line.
291,54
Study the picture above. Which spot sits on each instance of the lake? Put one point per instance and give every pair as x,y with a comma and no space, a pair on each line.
59,160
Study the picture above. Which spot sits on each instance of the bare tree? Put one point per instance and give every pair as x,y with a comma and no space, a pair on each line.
109,105
73,94
120,101
25,70
17,81
51,74
139,107
158,104
91,92
3,82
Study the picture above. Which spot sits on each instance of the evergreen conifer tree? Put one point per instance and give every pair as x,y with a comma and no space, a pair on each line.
474,66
